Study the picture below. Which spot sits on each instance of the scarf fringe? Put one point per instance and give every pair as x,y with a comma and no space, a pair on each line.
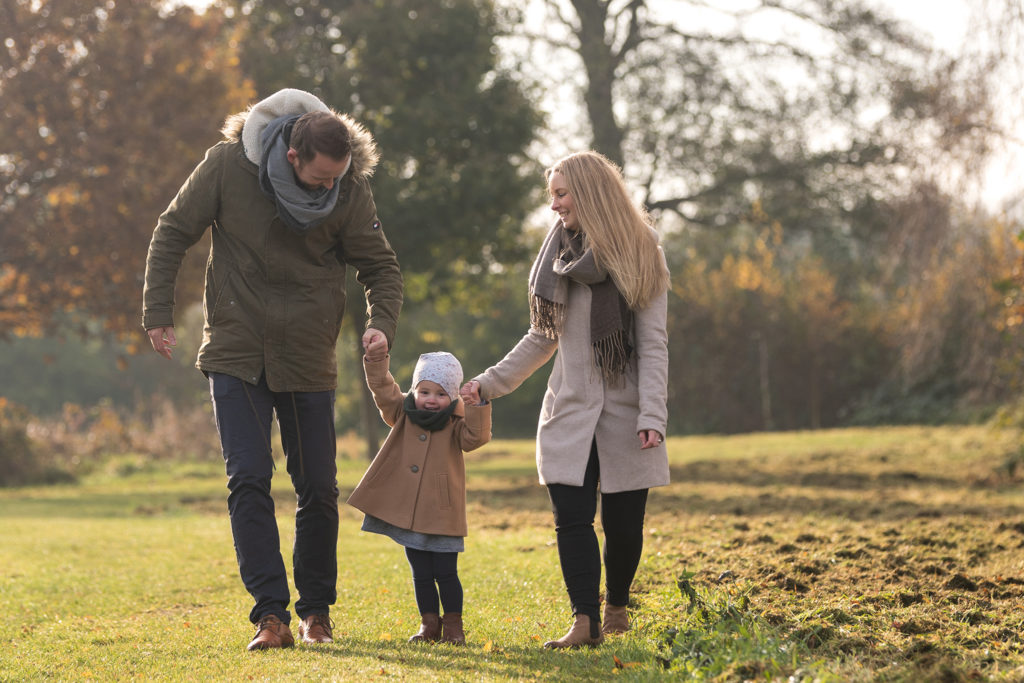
547,316
611,355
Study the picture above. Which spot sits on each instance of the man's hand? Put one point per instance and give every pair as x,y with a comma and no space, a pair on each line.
375,344
162,339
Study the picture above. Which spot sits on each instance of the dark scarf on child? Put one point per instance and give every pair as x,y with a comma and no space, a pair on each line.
431,420
563,258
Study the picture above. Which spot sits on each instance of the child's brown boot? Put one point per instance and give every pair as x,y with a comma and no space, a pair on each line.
430,629
451,629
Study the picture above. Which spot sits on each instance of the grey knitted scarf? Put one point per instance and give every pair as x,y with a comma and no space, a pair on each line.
562,258
300,209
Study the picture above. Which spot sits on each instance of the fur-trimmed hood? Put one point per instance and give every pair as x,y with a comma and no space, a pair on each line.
247,125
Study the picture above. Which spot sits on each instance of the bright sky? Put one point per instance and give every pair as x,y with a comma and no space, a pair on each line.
947,23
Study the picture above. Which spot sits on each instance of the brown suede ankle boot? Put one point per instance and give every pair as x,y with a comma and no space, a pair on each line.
584,631
615,619
430,629
451,629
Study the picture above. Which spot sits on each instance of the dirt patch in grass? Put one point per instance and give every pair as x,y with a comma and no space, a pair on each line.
899,563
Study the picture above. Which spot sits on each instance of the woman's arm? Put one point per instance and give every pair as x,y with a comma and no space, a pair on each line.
532,351
652,362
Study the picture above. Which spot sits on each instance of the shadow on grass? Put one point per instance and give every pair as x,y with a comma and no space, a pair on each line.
743,488
471,661
774,503
748,473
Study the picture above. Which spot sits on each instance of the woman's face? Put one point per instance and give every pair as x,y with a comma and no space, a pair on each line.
430,396
561,201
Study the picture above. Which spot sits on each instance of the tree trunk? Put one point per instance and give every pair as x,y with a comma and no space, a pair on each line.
599,63
766,393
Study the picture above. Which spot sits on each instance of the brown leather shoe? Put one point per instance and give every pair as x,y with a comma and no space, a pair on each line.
615,619
584,631
316,628
451,629
271,632
430,629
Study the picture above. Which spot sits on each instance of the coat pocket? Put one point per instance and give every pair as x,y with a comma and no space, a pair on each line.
444,499
219,296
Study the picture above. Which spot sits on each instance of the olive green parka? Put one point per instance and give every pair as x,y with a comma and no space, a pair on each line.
274,299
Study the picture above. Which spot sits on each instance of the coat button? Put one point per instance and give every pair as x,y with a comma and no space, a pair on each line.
423,437
415,468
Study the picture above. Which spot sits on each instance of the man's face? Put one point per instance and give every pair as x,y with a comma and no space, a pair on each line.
320,171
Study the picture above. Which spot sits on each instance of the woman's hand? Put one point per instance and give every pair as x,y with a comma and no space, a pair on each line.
649,438
470,392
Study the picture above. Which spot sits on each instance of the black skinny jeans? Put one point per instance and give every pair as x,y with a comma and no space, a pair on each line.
622,516
243,413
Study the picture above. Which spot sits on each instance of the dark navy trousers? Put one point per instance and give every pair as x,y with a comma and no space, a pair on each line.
244,414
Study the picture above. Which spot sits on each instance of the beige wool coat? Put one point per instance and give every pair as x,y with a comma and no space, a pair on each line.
579,406
417,480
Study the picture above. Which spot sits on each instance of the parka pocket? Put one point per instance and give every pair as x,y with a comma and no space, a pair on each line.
219,299
444,499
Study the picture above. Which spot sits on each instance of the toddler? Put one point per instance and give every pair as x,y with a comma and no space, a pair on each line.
415,489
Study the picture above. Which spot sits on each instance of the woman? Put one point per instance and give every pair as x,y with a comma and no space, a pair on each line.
598,297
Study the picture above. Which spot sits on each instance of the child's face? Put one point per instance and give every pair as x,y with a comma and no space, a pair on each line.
430,396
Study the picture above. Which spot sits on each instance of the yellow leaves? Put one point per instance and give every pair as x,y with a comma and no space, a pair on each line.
745,273
73,250
619,664
67,195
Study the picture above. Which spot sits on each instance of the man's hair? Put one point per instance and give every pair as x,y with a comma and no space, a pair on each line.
320,132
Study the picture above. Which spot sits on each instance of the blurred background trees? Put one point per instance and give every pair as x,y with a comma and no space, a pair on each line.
814,168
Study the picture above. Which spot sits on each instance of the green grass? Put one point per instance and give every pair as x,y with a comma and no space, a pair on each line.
864,554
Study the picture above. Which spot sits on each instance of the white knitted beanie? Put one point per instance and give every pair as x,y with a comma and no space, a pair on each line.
440,367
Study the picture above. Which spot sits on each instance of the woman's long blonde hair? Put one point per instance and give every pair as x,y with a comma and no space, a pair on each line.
617,230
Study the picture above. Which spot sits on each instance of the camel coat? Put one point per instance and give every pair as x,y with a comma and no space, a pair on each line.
580,407
418,479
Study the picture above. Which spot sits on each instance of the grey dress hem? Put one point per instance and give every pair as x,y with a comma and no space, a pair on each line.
414,539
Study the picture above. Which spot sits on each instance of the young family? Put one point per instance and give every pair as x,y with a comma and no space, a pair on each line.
287,197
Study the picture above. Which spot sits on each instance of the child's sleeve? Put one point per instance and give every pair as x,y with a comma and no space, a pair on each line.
386,392
474,430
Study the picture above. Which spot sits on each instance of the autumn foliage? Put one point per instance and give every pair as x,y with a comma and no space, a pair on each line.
106,108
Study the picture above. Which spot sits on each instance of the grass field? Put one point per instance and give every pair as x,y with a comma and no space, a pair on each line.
891,554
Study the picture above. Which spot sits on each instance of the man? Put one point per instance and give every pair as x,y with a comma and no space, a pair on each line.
289,202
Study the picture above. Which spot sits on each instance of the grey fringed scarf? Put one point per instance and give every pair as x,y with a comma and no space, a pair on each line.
300,209
562,258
